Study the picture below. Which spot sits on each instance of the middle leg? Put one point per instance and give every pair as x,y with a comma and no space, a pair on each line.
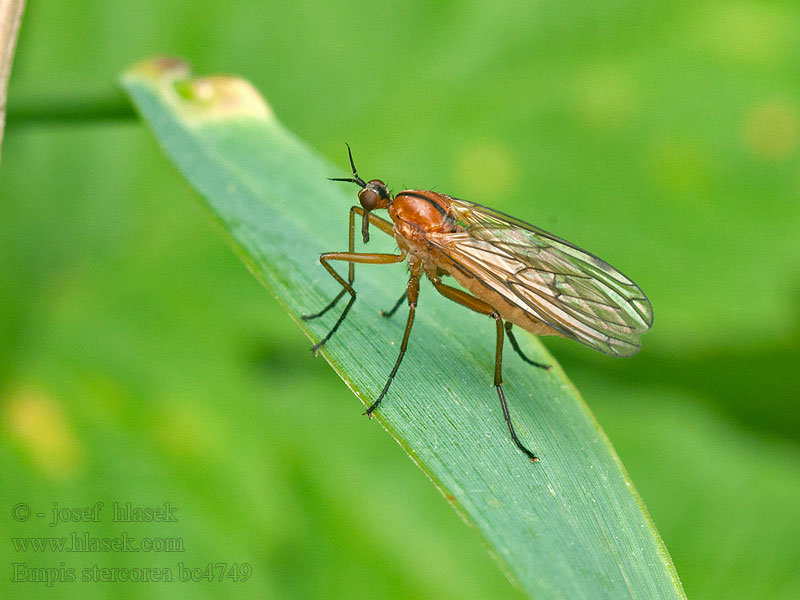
412,292
389,313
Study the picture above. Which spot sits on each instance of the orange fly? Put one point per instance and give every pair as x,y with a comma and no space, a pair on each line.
513,272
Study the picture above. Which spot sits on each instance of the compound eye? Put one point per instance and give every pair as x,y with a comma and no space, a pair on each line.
368,198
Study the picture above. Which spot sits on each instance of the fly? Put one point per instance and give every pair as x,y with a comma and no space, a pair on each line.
512,271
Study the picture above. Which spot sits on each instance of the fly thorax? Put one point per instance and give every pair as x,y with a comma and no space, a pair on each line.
424,211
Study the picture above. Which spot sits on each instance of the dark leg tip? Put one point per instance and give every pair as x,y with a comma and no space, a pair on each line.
374,405
315,348
531,456
537,365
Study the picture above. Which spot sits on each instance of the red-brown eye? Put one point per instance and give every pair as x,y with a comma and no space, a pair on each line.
368,198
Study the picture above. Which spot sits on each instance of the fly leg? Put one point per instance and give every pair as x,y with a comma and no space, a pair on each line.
412,292
517,349
351,257
479,306
381,224
390,313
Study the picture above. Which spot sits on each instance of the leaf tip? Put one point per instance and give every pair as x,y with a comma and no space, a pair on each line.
204,99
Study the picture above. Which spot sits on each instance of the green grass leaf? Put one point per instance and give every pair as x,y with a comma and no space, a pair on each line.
570,526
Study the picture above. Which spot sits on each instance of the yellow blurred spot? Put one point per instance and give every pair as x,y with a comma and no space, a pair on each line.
38,422
772,130
750,32
679,165
606,96
487,169
223,97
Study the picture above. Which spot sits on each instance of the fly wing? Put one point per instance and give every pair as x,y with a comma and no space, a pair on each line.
569,289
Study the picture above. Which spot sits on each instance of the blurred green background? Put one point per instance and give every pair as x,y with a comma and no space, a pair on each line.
141,362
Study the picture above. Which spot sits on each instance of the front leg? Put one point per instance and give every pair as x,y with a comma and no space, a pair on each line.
381,224
352,258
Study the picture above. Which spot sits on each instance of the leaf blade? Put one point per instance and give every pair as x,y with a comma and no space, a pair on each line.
571,526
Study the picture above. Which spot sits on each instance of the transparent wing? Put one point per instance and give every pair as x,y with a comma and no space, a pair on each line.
569,289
